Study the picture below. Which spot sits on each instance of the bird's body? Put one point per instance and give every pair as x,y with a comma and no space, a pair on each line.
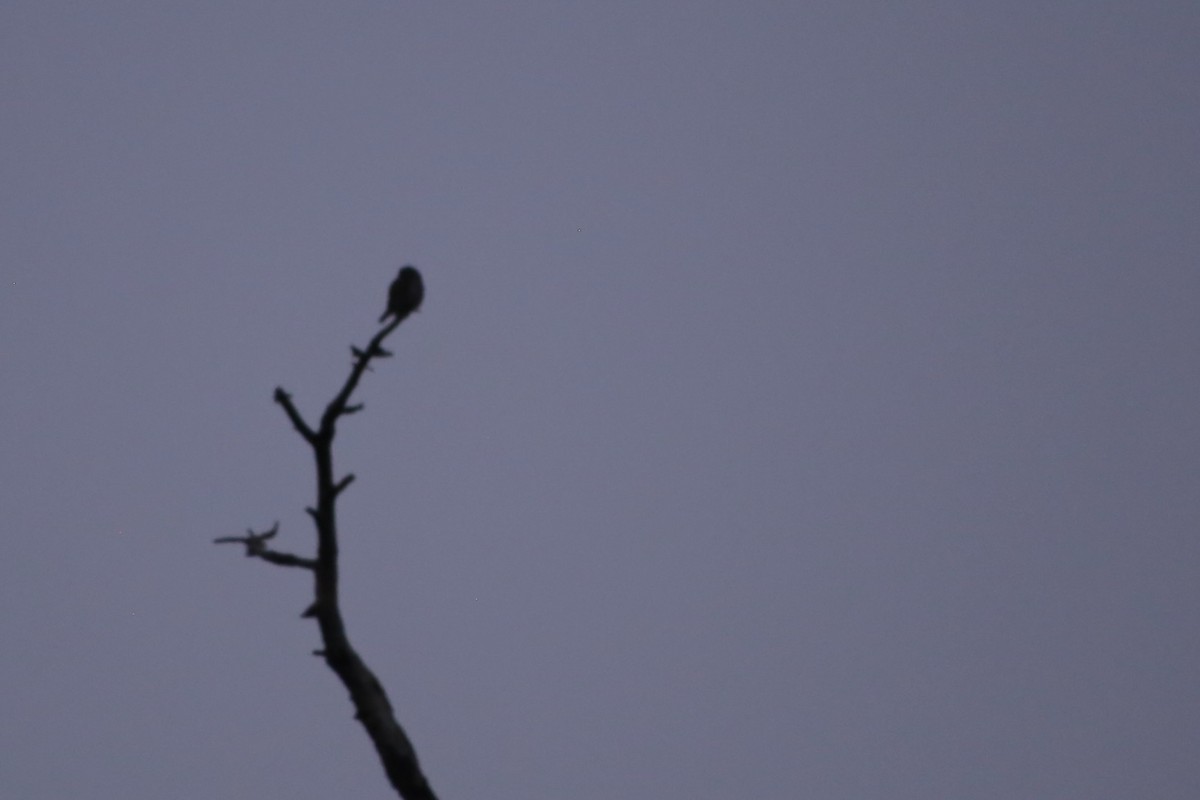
405,294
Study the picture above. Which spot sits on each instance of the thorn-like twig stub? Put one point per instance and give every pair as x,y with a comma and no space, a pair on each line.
341,485
354,409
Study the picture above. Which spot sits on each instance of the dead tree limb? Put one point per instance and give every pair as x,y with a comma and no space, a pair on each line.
371,706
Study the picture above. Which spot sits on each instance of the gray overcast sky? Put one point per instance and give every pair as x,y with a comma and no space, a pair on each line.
804,403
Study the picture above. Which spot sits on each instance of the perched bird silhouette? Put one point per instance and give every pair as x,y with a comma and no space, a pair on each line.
405,295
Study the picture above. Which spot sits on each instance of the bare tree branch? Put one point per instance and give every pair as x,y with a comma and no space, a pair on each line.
337,406
256,547
371,705
284,399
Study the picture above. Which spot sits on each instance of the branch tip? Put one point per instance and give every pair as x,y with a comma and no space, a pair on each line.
284,399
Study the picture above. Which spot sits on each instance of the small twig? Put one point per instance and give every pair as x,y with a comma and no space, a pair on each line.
256,547
337,406
284,399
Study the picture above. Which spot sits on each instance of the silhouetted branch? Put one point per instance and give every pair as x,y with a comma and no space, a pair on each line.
284,399
256,547
371,705
337,406
341,485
